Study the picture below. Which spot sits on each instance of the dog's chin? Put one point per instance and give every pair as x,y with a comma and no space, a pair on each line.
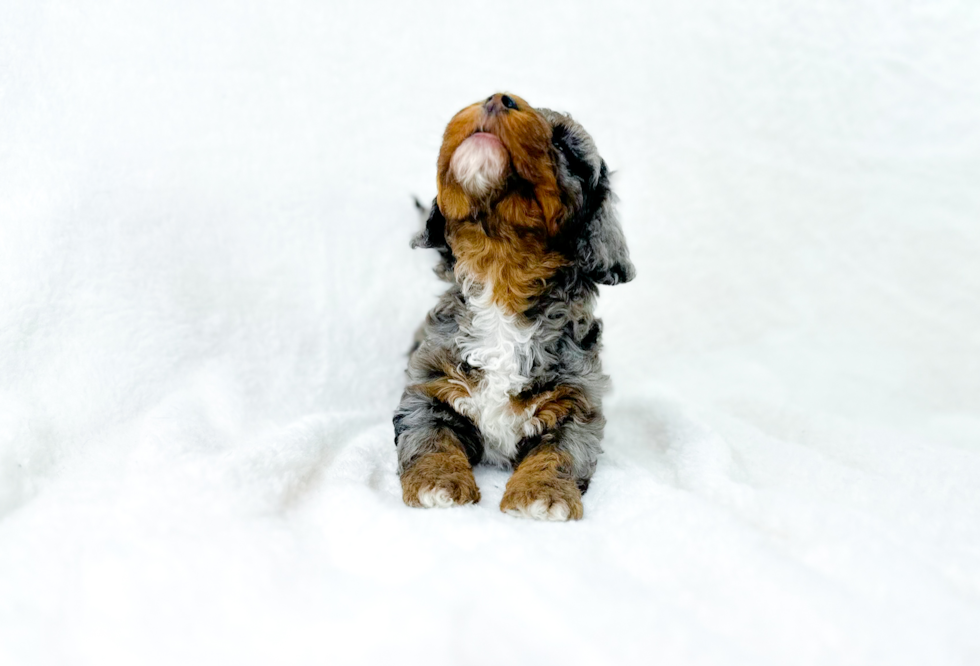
479,164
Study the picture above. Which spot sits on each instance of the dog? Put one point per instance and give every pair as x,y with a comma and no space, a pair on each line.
505,369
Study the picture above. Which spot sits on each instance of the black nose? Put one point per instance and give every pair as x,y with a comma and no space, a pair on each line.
498,103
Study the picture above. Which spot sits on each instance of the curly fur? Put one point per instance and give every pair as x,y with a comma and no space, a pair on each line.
506,366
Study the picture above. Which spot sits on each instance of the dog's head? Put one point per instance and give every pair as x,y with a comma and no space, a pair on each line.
532,170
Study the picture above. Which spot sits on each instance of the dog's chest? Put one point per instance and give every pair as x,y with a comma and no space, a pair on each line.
502,347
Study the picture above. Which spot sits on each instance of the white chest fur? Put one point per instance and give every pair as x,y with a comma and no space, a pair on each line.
498,344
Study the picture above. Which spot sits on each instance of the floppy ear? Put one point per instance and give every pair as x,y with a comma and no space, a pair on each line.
594,235
433,235
602,251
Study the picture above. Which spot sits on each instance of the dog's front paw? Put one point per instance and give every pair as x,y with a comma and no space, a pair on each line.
549,498
439,480
543,488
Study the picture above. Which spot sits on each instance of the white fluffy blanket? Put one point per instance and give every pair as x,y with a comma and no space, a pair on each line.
206,294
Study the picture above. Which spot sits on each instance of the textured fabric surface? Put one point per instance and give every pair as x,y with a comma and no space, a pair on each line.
206,296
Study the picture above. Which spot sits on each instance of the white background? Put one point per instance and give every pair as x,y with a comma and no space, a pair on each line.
206,295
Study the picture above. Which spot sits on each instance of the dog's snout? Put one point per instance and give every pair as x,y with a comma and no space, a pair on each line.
493,105
499,103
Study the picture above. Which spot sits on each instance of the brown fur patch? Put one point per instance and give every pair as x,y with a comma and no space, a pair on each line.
451,386
446,468
555,406
543,476
504,238
515,261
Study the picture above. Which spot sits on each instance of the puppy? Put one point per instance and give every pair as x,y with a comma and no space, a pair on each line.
505,370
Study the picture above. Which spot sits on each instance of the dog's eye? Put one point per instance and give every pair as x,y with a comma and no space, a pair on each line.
508,102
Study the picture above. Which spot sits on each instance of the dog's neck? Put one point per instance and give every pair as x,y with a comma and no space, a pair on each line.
507,251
